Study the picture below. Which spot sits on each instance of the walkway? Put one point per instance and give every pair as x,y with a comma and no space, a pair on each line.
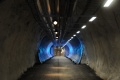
60,68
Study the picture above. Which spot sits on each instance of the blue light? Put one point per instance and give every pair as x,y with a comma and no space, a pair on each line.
70,50
45,50
48,49
74,50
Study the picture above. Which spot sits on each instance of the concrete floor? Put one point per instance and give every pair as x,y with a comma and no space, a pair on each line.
59,68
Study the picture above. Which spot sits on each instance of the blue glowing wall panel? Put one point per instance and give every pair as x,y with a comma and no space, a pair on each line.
52,50
45,50
74,50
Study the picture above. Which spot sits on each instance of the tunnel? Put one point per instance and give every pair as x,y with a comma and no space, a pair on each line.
76,37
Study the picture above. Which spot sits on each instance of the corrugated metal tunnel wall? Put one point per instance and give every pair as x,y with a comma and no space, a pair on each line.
20,35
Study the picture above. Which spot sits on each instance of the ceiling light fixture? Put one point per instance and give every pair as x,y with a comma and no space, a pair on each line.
83,26
92,19
55,22
56,32
74,35
56,37
78,32
107,4
67,41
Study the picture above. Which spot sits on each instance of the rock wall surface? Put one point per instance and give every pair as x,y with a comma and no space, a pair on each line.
19,35
102,42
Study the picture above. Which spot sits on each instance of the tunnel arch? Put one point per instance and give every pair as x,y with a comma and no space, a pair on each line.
101,39
45,49
74,50
20,35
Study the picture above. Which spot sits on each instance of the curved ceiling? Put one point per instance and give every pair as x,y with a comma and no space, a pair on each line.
21,32
71,15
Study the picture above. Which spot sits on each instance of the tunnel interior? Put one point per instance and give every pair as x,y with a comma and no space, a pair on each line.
28,35
46,49
72,49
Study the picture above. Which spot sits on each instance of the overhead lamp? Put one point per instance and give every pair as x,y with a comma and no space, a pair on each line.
108,2
71,37
74,35
78,32
55,22
56,37
56,32
83,26
92,19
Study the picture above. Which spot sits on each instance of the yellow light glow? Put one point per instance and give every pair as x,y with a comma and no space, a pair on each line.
57,75
62,68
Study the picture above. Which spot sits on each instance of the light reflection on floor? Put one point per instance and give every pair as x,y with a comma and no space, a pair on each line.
60,68
57,75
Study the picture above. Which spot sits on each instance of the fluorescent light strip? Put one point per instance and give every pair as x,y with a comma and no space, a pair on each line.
74,35
92,19
83,26
78,32
68,41
107,4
